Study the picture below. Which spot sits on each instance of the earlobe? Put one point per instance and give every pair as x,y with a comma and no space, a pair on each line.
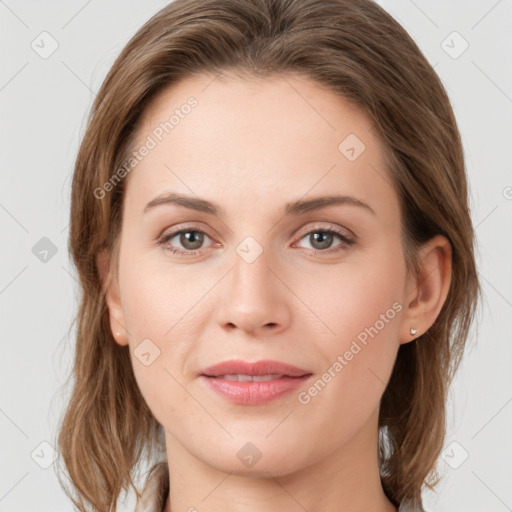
112,298
427,292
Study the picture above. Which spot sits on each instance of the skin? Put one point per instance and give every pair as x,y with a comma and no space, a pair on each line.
251,145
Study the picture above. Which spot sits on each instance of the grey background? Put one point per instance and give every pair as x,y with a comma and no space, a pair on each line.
43,107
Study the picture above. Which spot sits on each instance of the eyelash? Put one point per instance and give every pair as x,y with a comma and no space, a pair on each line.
347,241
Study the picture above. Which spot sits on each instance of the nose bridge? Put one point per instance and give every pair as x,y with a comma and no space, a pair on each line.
253,297
251,277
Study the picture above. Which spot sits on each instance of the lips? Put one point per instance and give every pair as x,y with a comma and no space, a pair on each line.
230,369
257,383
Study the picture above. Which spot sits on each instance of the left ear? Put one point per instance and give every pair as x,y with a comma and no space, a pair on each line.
427,291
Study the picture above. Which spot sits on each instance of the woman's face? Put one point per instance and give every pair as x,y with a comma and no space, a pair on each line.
260,279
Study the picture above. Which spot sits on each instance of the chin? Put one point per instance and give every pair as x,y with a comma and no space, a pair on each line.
261,469
255,458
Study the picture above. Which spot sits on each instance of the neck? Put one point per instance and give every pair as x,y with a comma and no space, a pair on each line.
346,479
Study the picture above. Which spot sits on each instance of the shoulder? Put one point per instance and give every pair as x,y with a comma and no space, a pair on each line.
155,490
410,506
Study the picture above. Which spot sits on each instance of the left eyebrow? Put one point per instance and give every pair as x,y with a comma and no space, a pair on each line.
294,208
301,207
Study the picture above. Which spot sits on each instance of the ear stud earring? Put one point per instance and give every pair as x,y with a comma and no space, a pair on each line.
118,334
413,331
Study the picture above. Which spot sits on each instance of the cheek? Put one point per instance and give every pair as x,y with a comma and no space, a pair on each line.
347,300
159,300
164,315
362,309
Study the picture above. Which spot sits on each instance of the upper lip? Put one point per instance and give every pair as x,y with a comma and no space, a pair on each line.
264,367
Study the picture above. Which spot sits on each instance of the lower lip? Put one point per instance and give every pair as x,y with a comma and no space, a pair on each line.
254,393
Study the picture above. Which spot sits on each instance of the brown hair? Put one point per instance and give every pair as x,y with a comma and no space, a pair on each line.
356,49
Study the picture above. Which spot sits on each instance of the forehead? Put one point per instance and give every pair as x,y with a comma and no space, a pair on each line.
239,140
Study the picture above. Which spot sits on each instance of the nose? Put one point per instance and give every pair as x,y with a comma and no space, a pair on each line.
254,298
